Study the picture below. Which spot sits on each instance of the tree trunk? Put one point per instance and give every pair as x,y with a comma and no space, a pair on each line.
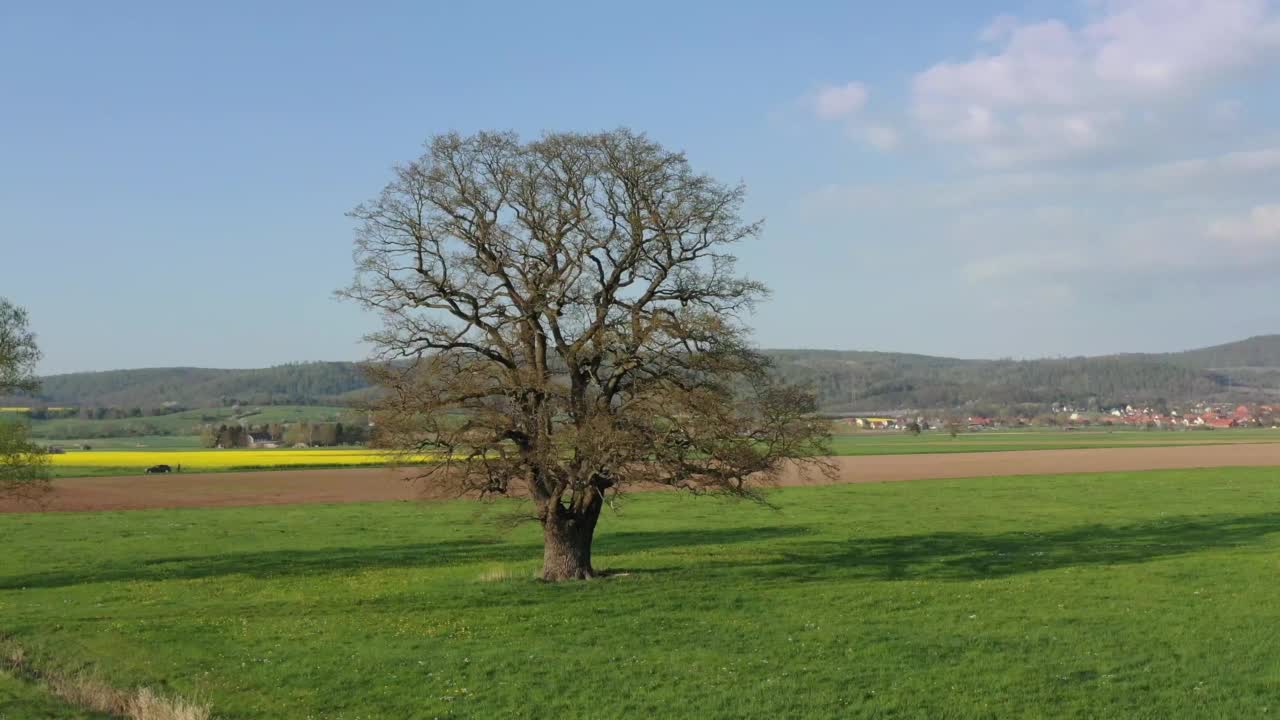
566,542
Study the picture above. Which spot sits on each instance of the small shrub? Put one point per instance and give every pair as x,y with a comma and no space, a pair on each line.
146,704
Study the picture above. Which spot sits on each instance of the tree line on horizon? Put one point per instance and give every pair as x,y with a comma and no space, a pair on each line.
844,381
310,434
312,383
1007,387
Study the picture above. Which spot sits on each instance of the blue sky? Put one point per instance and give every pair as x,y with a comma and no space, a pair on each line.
981,179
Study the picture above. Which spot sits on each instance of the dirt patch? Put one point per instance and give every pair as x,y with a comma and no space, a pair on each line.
887,468
370,484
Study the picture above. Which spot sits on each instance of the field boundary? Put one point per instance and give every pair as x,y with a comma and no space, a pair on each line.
290,487
89,692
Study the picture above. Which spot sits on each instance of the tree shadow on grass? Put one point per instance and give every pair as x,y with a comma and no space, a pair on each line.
932,556
972,556
278,563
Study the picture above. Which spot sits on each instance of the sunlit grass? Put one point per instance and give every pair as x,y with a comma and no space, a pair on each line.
1125,595
894,442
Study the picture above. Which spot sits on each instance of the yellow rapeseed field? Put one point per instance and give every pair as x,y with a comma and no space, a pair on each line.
219,459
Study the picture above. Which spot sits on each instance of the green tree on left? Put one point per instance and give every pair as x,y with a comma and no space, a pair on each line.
24,467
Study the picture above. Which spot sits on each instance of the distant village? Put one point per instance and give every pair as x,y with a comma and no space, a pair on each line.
1200,416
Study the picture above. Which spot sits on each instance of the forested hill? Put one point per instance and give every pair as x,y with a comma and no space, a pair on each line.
862,381
846,381
1007,387
316,383
1256,352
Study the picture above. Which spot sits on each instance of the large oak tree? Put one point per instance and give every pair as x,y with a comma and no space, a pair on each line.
567,321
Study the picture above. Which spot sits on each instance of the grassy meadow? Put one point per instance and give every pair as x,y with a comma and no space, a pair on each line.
141,442
21,700
180,424
892,442
1132,595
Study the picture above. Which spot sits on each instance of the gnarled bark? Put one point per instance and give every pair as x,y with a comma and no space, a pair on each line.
567,534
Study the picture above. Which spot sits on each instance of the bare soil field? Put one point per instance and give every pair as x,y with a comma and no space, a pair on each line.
371,484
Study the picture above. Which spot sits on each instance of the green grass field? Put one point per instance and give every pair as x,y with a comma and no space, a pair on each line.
186,423
1138,595
141,443
20,700
889,442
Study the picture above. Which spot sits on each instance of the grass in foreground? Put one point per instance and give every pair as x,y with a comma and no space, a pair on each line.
19,699
1139,595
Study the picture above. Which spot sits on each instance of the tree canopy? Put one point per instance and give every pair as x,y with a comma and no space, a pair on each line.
18,351
23,466
569,323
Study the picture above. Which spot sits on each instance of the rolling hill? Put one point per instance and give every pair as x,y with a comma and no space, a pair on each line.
315,383
846,381
1262,351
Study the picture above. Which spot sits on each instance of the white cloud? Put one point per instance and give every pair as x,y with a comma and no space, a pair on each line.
999,29
1142,250
1233,177
1226,113
1048,89
838,101
1239,164
882,137
1259,230
1038,265
966,193
1101,174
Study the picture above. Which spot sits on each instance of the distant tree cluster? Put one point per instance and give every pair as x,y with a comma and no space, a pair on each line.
89,429
43,412
311,434
24,468
108,413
